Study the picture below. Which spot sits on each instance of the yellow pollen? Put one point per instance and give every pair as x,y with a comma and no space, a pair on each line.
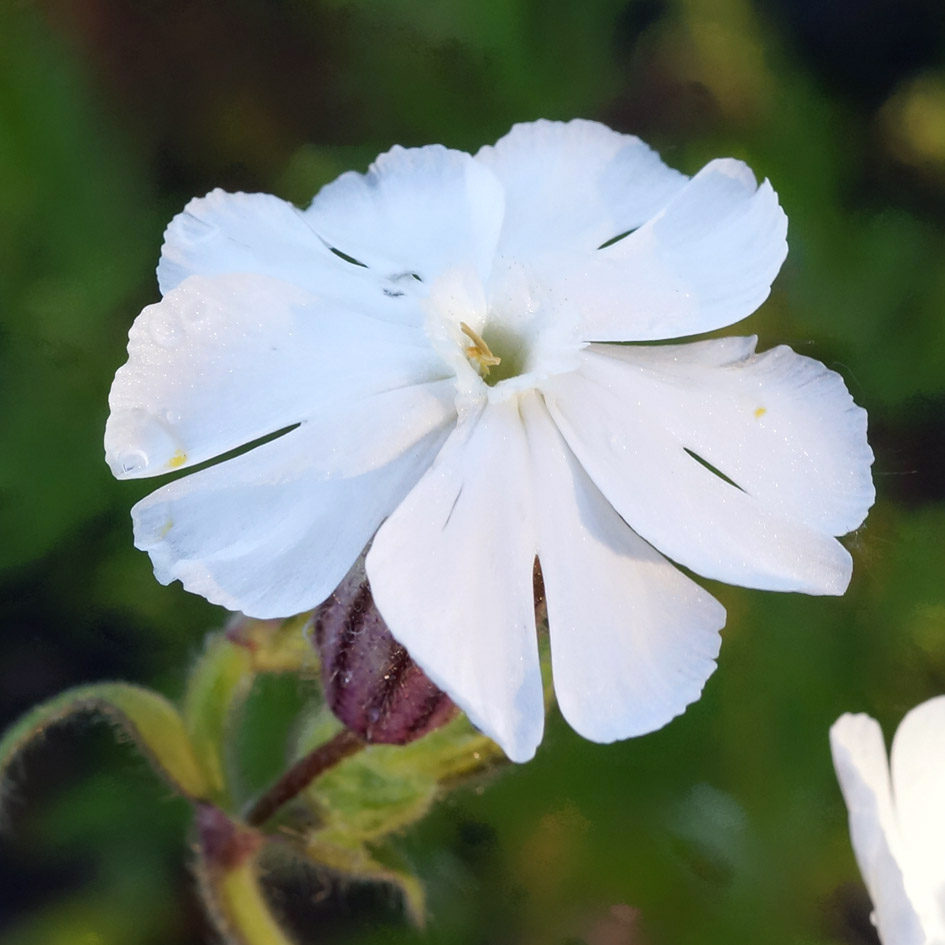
479,351
760,412
177,460
165,528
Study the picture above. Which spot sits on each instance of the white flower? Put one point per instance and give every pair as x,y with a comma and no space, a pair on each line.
897,824
427,338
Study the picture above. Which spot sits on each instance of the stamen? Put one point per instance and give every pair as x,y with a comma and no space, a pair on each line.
479,351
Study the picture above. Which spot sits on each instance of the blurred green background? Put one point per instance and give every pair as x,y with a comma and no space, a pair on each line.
726,827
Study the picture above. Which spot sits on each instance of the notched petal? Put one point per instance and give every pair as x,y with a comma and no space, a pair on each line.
452,573
705,260
620,432
225,360
571,186
271,532
416,210
632,639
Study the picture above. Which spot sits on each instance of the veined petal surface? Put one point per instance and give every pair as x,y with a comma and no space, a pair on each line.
706,260
417,212
633,640
272,532
224,360
451,572
571,186
618,430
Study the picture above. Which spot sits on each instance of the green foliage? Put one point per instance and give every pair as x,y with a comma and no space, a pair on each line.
216,687
220,683
342,820
374,795
74,246
144,716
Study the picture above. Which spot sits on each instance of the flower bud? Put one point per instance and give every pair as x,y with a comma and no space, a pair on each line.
370,682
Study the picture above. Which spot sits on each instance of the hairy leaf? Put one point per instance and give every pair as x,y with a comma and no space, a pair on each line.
146,716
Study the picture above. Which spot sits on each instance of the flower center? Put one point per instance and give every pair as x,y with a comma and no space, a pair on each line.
503,335
502,357
511,350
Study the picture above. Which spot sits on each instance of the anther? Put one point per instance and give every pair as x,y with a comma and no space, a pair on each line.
479,351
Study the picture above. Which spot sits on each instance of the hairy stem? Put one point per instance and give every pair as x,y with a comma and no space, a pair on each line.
302,773
228,881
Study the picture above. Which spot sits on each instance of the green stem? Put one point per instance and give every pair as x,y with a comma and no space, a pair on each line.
302,773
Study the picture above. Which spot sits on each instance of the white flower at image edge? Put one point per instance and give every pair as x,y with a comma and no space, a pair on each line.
897,819
434,342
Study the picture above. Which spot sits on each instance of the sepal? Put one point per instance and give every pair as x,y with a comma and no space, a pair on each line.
358,807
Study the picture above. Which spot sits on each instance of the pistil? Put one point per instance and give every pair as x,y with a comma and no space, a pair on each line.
478,352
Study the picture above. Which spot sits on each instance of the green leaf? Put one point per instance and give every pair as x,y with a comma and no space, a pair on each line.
378,792
336,850
77,236
385,788
218,685
276,646
144,715
371,796
366,799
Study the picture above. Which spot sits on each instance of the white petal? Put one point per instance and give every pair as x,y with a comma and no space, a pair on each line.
673,501
273,531
260,234
451,573
781,426
417,211
859,756
918,777
632,639
575,185
223,233
706,260
224,360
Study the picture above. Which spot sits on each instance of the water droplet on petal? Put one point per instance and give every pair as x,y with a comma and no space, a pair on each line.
132,460
173,416
617,442
144,443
